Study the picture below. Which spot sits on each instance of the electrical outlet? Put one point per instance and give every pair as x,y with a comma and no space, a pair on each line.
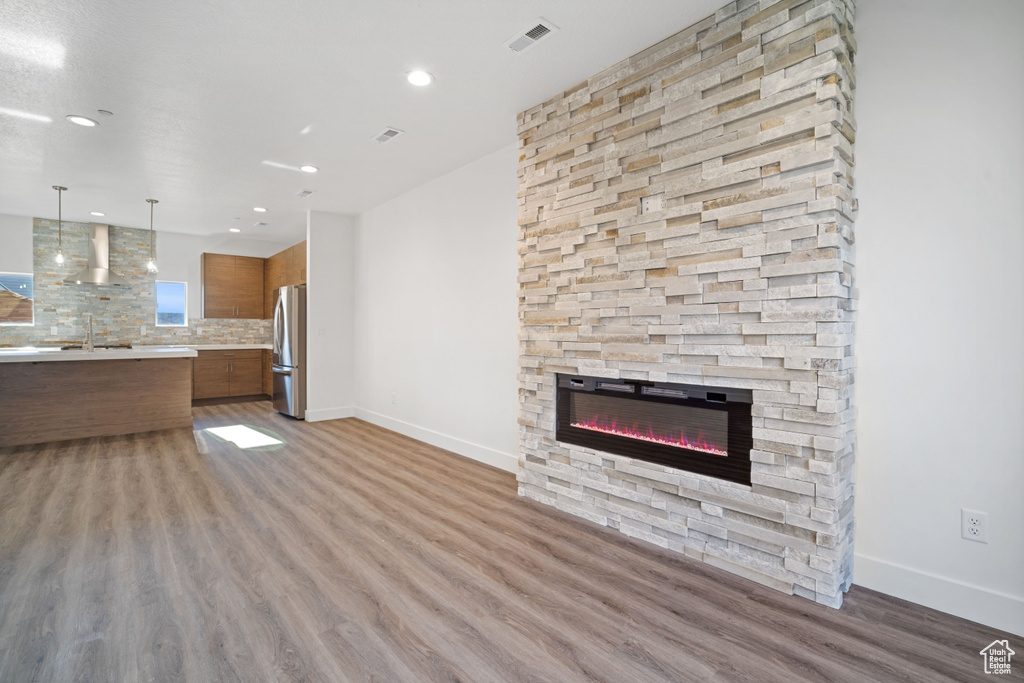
974,525
143,330
652,204
53,331
394,397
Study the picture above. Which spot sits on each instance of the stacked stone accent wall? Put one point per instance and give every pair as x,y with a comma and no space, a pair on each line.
119,313
742,126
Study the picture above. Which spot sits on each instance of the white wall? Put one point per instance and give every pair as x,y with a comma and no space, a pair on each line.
15,244
436,311
940,265
330,384
179,258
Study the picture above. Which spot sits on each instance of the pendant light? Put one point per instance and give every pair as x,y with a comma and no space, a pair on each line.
151,265
60,225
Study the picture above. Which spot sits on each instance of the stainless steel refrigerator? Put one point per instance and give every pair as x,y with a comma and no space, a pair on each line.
289,360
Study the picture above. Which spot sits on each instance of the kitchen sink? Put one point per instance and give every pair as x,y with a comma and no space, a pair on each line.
78,347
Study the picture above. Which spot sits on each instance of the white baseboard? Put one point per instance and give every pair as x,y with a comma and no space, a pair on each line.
483,454
321,414
998,610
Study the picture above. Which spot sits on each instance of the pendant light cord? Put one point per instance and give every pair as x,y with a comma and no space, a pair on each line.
60,218
152,257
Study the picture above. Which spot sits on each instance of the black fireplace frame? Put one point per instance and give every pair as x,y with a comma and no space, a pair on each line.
736,402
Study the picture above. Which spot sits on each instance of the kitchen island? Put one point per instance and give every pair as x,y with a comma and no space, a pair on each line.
51,395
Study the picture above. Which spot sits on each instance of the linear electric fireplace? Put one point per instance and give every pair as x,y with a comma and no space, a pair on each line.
698,429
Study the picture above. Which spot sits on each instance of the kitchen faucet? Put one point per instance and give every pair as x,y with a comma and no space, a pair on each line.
88,346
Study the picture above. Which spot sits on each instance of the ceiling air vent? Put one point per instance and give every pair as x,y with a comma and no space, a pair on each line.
387,135
527,38
304,193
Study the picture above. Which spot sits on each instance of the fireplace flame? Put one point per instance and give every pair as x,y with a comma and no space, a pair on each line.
699,444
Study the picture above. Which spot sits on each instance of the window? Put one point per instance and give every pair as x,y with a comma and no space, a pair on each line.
16,299
171,303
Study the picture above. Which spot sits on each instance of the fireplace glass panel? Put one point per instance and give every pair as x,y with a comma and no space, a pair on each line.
698,429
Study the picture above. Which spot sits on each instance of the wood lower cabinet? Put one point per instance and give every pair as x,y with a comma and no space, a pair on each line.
211,378
247,376
268,374
52,401
233,286
221,374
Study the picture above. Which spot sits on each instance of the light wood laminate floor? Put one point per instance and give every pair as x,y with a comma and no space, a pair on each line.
351,553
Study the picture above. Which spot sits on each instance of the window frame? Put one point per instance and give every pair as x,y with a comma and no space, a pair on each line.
32,298
156,306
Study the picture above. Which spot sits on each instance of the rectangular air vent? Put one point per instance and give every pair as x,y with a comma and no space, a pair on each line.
387,135
662,391
529,36
616,386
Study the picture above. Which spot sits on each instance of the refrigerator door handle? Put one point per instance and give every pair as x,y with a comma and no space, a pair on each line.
281,371
278,325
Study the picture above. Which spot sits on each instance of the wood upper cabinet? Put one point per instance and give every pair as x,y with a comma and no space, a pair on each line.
233,286
218,281
218,374
249,286
287,267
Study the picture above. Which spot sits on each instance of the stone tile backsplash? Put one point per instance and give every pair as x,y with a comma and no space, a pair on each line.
119,313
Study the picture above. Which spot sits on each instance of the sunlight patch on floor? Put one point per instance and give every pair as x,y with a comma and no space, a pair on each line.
243,437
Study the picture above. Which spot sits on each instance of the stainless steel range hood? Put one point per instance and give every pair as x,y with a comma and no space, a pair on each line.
98,272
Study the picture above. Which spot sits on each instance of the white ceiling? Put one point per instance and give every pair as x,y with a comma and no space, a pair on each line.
203,92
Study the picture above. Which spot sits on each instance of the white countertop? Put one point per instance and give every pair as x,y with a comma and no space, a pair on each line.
30,354
214,347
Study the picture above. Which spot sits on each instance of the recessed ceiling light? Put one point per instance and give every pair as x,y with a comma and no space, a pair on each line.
105,112
81,120
259,225
309,169
97,213
235,229
259,209
419,78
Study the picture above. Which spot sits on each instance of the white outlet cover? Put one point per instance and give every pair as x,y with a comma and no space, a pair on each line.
53,331
974,525
652,204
